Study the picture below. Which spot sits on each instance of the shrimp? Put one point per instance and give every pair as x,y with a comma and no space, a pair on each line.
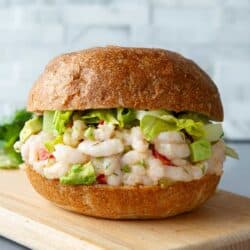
173,151
215,163
99,149
178,174
114,180
106,165
132,157
56,170
180,162
138,142
132,179
69,155
78,130
170,137
156,169
104,132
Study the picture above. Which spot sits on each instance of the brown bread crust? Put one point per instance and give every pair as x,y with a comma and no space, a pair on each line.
111,77
126,202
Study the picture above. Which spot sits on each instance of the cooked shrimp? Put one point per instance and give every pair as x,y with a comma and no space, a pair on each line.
114,180
180,162
170,137
173,151
215,163
177,174
69,155
99,149
132,157
156,169
104,132
56,171
138,142
106,165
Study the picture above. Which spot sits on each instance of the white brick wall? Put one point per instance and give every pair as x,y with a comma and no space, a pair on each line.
214,33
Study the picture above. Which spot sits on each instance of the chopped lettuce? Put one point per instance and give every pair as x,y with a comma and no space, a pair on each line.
48,117
151,126
125,116
61,120
195,129
213,132
200,150
8,160
32,126
50,145
9,134
231,152
80,174
89,133
194,116
154,123
95,116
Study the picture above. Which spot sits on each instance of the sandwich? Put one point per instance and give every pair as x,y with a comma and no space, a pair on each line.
124,133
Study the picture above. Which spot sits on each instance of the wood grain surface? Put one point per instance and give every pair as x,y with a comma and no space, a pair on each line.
222,223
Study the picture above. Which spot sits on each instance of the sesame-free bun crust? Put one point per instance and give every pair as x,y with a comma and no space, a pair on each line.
126,202
111,77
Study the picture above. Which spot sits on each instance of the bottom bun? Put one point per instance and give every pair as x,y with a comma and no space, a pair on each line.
126,202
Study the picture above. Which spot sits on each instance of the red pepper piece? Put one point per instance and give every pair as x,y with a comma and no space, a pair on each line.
43,154
101,122
161,157
101,179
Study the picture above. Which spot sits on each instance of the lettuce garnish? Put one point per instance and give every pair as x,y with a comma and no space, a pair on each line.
125,117
231,152
213,132
96,116
61,120
9,134
50,145
154,123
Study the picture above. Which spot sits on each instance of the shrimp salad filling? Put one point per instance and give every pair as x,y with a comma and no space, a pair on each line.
123,146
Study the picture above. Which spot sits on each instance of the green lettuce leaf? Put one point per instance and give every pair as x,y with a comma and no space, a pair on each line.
194,116
153,123
9,160
79,175
200,150
50,145
158,113
48,125
231,152
151,126
89,133
61,120
213,132
97,115
125,116
9,133
195,129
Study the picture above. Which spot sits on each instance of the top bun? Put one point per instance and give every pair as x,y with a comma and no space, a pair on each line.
111,77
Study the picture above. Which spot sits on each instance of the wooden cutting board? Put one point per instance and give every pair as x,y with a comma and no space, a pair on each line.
25,217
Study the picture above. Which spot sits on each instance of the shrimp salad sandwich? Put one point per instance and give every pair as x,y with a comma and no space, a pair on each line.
124,133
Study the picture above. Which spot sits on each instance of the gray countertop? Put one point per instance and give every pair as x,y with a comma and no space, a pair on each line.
235,179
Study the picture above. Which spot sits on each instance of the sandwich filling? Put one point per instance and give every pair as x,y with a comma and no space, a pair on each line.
123,146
